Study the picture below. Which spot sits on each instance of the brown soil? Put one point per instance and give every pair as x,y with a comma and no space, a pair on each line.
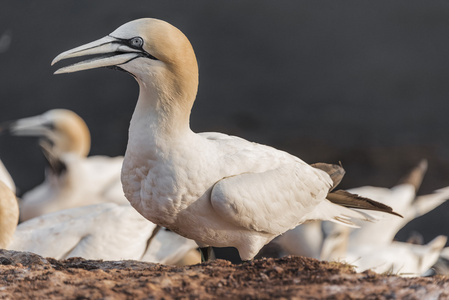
28,276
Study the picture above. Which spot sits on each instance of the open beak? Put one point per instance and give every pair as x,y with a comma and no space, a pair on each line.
108,51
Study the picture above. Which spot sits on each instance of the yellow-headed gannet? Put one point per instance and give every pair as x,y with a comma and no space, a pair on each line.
216,189
9,215
6,178
72,179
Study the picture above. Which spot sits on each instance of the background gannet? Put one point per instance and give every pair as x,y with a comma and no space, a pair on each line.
217,189
441,267
307,239
9,215
371,246
399,258
106,231
400,197
71,179
331,241
6,178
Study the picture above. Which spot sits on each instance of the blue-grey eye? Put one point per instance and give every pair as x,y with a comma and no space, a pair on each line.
136,42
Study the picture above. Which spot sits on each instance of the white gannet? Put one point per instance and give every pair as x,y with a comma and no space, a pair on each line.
441,267
312,240
216,189
398,258
303,240
400,197
403,199
72,179
6,178
9,215
107,231
94,232
366,248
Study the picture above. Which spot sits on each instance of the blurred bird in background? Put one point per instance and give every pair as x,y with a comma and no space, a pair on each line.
72,178
372,245
108,231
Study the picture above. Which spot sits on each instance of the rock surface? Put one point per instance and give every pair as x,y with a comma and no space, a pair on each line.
28,276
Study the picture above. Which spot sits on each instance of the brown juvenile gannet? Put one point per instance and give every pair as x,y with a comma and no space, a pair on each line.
72,179
216,189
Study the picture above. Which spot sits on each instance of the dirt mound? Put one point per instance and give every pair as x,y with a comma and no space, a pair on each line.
26,275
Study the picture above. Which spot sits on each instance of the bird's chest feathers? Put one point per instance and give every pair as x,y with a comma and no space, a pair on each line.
160,183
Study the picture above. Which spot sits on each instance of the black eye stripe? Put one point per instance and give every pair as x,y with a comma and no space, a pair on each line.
131,43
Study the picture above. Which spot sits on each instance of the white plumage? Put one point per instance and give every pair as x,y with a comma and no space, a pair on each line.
371,246
6,178
217,189
397,258
105,231
72,179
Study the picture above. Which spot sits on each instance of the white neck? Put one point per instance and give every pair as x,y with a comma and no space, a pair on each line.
158,122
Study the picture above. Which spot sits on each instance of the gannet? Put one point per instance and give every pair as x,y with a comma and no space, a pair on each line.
216,189
370,250
94,232
400,197
6,178
71,179
303,240
441,267
318,240
398,258
9,215
107,231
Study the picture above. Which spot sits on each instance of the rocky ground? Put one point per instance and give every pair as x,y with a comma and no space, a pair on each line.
28,276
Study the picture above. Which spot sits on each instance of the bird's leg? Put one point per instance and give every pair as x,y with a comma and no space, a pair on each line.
207,254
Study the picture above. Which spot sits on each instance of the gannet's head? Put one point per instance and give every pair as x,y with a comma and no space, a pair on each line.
146,48
66,131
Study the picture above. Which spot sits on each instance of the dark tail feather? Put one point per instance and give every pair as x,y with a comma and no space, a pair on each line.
346,199
349,200
336,172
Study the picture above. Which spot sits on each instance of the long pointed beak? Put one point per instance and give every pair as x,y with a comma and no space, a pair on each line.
31,126
112,52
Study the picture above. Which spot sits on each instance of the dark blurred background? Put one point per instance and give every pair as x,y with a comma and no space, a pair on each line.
361,82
